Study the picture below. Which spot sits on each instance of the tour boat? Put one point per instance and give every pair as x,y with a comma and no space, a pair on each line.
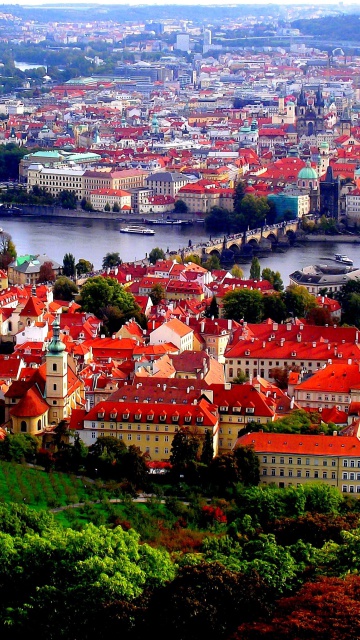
143,231
343,259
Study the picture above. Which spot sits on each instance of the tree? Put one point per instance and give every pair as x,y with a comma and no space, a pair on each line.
107,207
134,468
7,250
83,266
237,272
274,278
192,258
64,289
46,273
111,260
248,465
275,308
320,316
180,206
212,263
99,293
239,193
207,451
244,304
240,378
19,447
157,294
68,265
255,269
184,449
116,207
349,299
206,601
67,199
327,609
212,310
298,301
156,254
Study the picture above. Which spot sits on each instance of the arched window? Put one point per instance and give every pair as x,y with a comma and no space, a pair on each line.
39,425
23,426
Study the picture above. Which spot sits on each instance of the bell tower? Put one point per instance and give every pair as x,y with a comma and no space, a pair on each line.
56,376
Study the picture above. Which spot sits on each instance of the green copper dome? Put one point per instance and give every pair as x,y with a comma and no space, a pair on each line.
307,173
56,347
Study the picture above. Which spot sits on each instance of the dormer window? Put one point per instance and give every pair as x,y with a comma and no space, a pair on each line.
150,417
137,416
250,410
224,409
126,416
162,417
113,415
175,417
200,419
187,419
101,414
237,409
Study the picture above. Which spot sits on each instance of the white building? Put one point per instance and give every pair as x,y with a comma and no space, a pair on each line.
182,42
176,332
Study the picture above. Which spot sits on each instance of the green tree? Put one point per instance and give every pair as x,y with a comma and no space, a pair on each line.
157,294
116,207
255,269
219,219
64,289
46,273
240,378
83,266
111,260
207,451
134,468
349,299
7,250
184,449
212,310
298,301
99,293
237,272
67,199
212,263
19,447
192,258
274,277
248,465
239,193
68,265
180,206
275,308
107,207
244,304
156,254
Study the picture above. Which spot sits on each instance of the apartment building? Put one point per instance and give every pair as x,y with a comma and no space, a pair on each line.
335,385
295,459
258,349
150,426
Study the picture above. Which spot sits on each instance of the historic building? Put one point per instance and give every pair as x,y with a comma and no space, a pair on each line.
309,114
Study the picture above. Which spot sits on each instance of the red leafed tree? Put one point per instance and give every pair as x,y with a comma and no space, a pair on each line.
328,609
46,273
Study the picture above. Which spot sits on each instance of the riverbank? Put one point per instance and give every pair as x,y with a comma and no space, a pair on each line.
46,211
349,239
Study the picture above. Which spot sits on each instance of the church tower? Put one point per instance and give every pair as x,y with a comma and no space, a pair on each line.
345,123
56,376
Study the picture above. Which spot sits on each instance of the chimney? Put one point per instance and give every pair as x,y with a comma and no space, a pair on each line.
202,326
229,323
349,361
292,403
288,326
335,433
275,326
187,320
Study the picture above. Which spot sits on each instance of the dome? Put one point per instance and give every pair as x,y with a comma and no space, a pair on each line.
324,145
307,173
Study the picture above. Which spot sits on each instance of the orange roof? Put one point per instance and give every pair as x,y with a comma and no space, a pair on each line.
31,405
298,444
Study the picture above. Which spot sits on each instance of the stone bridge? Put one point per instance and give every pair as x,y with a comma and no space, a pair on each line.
267,236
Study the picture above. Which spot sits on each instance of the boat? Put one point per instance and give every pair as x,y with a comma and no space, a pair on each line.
339,257
167,221
143,231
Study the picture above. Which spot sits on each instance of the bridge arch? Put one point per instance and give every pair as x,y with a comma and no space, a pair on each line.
252,242
291,235
235,248
272,237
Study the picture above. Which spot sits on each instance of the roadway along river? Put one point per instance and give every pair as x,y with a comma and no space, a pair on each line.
92,239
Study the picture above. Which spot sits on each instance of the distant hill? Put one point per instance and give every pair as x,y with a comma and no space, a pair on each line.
344,27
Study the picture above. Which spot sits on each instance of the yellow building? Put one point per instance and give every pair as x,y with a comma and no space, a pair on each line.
288,459
150,426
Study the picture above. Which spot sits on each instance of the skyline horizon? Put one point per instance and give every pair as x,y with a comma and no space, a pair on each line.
53,3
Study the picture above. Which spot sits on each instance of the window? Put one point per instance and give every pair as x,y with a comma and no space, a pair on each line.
345,463
333,463
344,488
290,460
138,437
352,476
264,458
299,461
307,474
129,436
281,460
324,463
54,387
272,472
324,475
352,463
298,473
307,461
273,459
282,473
264,472
23,426
166,450
316,474
344,475
93,435
290,473
54,367
39,425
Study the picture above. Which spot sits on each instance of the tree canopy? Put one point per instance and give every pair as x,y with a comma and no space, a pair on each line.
99,293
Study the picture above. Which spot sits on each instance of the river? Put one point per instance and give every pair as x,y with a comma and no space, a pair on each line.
92,239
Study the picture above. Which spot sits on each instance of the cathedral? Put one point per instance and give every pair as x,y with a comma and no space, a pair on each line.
309,114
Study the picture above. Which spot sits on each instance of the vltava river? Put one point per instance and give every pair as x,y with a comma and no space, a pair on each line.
92,239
